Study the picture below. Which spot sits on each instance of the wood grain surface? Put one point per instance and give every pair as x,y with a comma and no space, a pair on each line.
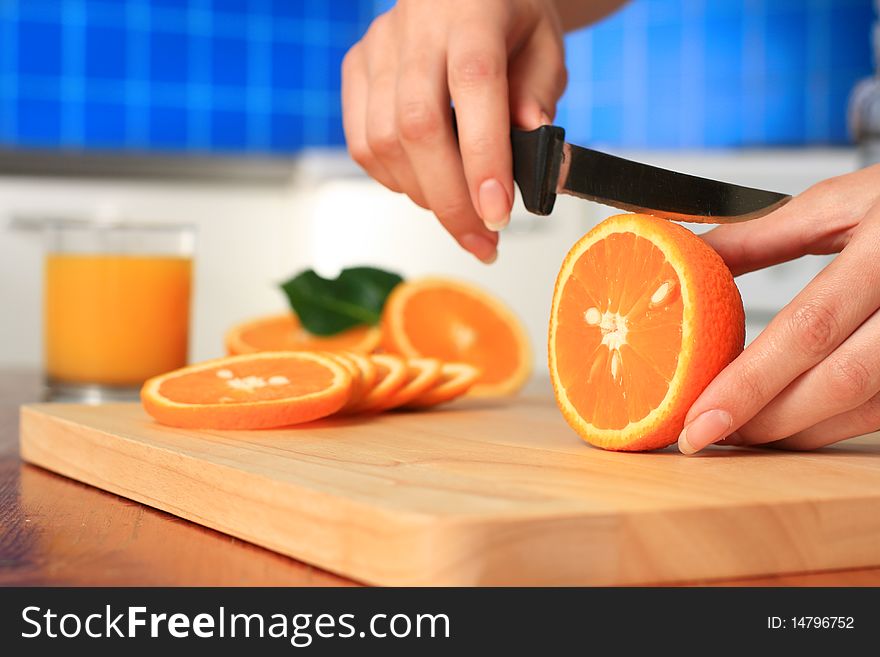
481,493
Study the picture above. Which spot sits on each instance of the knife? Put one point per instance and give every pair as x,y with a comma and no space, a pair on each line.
544,165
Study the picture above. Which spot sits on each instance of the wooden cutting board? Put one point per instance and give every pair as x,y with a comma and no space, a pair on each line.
480,493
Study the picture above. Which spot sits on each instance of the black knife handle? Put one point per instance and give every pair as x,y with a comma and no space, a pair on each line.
537,155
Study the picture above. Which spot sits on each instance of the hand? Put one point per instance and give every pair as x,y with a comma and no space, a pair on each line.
812,377
498,61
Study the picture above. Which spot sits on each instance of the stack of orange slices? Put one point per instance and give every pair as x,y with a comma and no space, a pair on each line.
281,388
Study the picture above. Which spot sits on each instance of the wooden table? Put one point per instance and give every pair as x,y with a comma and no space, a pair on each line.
55,531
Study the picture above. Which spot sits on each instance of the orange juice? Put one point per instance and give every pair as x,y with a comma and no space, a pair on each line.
115,319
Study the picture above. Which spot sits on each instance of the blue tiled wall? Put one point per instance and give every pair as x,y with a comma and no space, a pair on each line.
263,75
718,73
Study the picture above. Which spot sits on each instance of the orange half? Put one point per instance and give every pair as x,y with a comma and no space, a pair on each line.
645,314
251,391
285,333
457,322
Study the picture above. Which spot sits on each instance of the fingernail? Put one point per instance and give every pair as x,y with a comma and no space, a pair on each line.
494,205
545,119
708,428
481,247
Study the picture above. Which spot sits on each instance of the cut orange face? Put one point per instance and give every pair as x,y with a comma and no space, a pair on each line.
455,380
251,391
284,333
422,373
457,322
644,316
392,373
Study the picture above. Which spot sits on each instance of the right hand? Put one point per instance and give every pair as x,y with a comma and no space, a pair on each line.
498,61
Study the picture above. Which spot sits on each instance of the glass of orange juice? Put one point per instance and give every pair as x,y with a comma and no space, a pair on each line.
116,307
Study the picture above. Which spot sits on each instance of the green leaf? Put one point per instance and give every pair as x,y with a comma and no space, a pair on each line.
330,306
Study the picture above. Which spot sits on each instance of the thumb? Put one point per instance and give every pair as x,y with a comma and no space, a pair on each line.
537,78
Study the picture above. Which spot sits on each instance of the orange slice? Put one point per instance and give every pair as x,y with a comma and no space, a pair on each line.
644,316
284,333
423,374
455,380
368,374
392,374
457,322
365,364
251,391
358,386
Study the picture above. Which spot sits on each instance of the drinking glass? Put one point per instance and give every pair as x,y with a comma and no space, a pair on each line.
116,306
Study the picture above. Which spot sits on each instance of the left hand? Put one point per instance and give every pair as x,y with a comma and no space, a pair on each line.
812,377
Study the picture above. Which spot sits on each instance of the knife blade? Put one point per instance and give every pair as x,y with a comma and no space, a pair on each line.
545,165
